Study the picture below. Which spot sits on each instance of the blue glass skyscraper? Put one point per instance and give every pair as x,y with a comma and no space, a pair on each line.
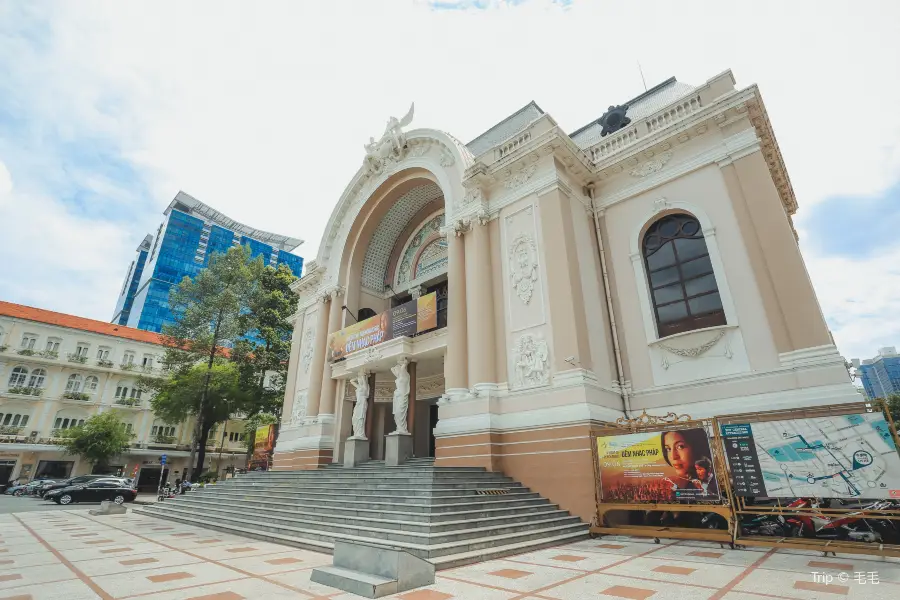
881,375
182,245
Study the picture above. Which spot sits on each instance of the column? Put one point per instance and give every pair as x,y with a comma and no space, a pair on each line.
455,363
370,411
293,369
411,412
329,385
318,357
480,296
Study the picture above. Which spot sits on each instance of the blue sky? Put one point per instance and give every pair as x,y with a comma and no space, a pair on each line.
261,110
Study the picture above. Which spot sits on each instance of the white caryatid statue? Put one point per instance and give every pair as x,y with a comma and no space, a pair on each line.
358,421
401,396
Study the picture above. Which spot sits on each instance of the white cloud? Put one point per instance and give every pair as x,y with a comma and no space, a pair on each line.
262,111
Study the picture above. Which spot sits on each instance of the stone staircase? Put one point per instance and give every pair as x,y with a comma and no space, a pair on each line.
450,516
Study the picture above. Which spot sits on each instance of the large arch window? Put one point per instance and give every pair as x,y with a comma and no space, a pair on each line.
74,383
38,376
17,377
682,283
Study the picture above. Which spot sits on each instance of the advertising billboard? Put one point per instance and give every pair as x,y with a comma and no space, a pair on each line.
263,446
659,466
843,456
407,319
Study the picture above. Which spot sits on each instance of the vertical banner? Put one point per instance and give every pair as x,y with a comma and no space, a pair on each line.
263,445
657,466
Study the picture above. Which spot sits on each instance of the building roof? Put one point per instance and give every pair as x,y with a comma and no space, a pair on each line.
505,129
49,317
190,205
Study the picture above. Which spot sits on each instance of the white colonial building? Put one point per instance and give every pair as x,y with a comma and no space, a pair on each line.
56,370
645,262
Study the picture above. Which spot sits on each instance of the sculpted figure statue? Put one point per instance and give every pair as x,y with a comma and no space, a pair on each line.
401,396
358,420
390,145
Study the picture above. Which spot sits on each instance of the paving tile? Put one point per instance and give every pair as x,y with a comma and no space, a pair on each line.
36,575
250,589
164,579
887,571
267,564
591,561
72,589
139,563
785,584
676,571
608,587
445,589
225,551
15,561
511,575
682,553
95,552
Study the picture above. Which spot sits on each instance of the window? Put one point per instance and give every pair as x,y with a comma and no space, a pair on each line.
163,431
148,361
18,376
128,358
37,378
13,420
74,383
682,283
129,428
67,422
90,384
28,341
121,391
103,353
52,345
81,350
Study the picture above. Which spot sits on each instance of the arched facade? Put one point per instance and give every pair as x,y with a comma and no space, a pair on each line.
535,244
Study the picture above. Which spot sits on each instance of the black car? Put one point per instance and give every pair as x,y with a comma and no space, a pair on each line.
59,484
96,490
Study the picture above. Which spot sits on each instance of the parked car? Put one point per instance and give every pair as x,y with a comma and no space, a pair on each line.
61,483
95,490
27,489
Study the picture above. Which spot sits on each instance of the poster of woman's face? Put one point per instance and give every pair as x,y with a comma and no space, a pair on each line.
667,466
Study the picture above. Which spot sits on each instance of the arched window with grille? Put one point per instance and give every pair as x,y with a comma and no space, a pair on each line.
38,376
90,384
17,377
74,383
680,274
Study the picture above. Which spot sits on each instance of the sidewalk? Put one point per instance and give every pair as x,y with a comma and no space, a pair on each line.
73,555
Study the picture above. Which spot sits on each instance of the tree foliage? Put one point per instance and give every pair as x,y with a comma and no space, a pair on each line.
263,361
101,438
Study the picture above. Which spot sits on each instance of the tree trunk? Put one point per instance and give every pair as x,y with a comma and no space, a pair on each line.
189,471
201,451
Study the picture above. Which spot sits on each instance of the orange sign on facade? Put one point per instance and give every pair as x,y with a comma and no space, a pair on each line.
407,319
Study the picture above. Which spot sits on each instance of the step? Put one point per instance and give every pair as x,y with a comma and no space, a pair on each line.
470,551
325,512
388,491
365,530
437,499
368,485
363,477
395,521
423,506
355,582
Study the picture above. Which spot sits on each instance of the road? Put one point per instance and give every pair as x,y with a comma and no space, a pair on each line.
11,504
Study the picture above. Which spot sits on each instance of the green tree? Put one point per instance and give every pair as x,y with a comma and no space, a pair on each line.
210,311
101,438
209,394
263,361
893,404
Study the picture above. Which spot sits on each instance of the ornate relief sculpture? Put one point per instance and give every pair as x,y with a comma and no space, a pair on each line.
358,420
532,360
298,411
523,268
310,340
401,397
391,146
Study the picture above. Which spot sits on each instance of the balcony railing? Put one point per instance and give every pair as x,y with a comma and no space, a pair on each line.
26,352
163,439
77,358
51,354
4,348
26,391
102,362
10,430
76,396
127,366
128,401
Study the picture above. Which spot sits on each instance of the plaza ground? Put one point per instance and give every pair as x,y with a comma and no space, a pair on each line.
55,554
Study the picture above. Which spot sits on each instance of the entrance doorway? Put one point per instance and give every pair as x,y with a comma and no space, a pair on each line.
432,423
54,469
6,469
148,478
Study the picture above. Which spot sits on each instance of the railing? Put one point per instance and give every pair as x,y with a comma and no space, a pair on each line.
674,113
102,362
163,439
514,144
127,366
4,348
10,430
26,352
147,368
128,401
76,396
51,354
77,358
26,391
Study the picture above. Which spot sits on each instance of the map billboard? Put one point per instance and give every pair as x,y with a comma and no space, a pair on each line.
843,456
657,466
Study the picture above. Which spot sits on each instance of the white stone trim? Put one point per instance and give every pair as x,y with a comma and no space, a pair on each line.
826,355
311,442
739,145
572,414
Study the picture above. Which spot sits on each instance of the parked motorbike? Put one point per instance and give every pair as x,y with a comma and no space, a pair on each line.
851,527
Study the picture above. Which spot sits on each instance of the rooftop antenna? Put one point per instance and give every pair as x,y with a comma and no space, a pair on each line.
644,81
